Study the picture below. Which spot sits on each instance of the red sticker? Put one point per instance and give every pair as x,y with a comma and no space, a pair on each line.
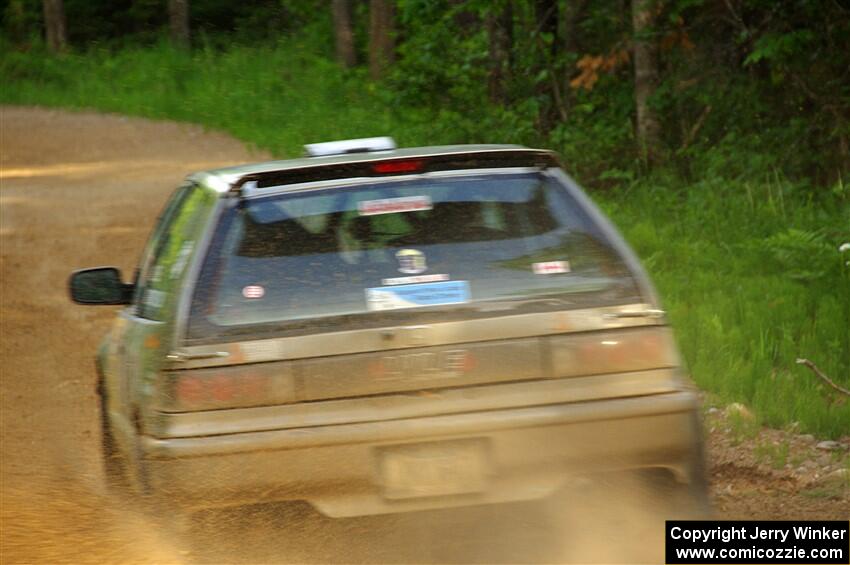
551,267
394,205
253,291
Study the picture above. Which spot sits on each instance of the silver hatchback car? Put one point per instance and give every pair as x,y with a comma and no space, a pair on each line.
377,330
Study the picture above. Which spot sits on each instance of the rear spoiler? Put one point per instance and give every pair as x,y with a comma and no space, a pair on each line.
416,164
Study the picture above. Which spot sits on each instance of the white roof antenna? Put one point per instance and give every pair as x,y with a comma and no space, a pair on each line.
365,145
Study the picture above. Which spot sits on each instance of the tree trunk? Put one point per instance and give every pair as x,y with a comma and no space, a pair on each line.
573,13
54,25
500,33
646,79
381,40
546,16
345,54
546,21
178,20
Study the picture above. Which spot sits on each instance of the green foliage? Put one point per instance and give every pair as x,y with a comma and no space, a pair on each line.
722,253
780,46
742,427
276,98
21,21
776,78
806,256
442,60
131,22
744,85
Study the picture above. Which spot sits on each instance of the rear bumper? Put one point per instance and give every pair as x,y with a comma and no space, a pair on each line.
532,452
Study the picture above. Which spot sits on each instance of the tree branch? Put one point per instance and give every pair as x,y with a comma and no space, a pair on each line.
692,134
820,374
553,80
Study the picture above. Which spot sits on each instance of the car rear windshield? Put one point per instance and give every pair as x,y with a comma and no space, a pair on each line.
415,250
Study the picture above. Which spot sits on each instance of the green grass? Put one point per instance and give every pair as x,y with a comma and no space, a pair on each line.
775,455
743,305
742,426
272,97
748,267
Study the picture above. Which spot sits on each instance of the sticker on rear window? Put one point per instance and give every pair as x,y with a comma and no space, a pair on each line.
394,205
411,262
551,267
253,291
417,295
415,279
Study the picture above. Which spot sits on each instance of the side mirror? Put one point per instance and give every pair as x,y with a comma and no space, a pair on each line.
101,285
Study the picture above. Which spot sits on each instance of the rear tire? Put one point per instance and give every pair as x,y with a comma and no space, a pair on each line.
677,500
176,524
114,466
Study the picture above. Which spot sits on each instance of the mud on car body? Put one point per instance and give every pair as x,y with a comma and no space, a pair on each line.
375,330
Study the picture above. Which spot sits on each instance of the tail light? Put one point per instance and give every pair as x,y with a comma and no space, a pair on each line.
613,352
227,387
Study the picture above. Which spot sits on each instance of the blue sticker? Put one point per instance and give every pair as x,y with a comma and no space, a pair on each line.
417,295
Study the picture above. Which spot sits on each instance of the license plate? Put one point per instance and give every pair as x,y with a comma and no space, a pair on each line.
433,469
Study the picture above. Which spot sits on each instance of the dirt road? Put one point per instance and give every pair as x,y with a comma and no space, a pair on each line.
83,189
77,190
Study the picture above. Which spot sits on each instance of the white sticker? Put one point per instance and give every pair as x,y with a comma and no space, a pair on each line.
551,267
253,291
411,262
394,205
415,279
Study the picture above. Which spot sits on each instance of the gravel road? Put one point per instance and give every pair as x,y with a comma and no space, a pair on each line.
83,189
78,189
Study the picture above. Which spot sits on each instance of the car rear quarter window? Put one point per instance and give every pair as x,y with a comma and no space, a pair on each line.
474,243
170,249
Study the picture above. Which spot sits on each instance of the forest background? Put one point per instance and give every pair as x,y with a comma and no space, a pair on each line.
716,133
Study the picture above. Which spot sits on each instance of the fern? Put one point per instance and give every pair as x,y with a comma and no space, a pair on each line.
804,255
